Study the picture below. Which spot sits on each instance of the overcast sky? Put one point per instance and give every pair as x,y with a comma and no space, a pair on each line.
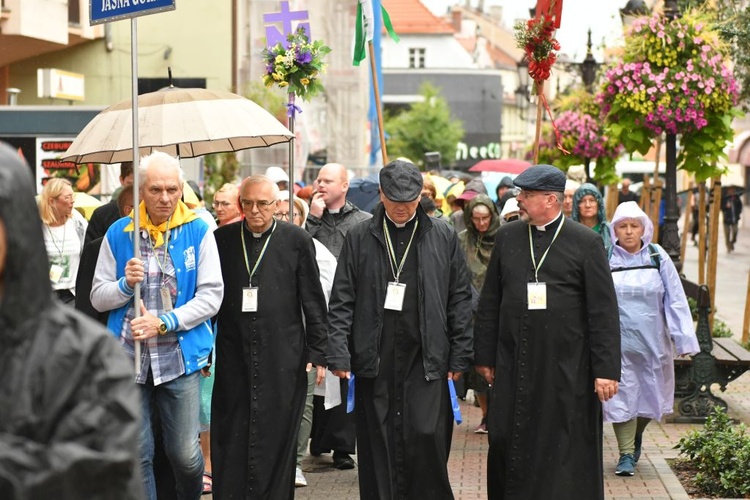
602,16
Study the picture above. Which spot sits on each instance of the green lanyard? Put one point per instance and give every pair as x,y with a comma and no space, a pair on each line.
392,254
262,252
162,265
531,248
60,249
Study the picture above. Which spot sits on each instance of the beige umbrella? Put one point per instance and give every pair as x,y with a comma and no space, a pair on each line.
181,122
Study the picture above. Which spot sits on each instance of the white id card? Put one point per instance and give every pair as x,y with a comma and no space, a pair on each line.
166,300
394,297
55,273
537,295
250,299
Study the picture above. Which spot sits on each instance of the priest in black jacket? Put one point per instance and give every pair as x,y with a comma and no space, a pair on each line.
263,347
547,338
398,321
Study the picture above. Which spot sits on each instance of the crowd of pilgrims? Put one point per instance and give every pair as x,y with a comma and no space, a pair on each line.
230,412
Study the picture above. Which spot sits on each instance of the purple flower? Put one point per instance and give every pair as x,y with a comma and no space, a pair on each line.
304,57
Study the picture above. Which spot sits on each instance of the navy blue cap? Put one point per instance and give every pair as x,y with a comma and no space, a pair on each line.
401,181
541,178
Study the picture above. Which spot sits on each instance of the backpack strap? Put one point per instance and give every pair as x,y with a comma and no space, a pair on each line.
653,253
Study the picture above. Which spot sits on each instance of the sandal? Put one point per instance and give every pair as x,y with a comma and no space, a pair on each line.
208,483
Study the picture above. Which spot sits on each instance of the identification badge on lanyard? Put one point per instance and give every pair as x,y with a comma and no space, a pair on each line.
56,273
250,299
166,300
536,293
394,297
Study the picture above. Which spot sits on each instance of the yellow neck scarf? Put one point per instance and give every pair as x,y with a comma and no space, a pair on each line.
182,215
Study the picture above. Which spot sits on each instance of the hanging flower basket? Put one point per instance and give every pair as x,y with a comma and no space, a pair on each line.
673,79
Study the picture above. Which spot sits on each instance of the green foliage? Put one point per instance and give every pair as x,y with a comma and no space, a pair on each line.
219,169
721,453
721,329
427,126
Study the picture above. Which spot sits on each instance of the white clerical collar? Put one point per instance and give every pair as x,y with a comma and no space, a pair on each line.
544,227
405,223
334,210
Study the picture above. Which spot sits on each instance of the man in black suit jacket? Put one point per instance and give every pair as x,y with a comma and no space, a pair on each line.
107,214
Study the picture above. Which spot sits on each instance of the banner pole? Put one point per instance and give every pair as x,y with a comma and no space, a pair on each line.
136,181
375,86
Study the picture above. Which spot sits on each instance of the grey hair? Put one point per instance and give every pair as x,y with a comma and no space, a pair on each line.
161,158
260,179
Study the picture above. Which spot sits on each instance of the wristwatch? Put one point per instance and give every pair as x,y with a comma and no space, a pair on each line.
162,328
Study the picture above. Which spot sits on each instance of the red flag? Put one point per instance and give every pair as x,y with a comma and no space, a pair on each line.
551,8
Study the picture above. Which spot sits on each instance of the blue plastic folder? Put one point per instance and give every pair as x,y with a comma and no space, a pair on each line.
350,395
454,402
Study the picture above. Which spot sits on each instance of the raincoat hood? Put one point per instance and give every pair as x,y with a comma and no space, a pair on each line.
631,210
26,276
481,199
588,189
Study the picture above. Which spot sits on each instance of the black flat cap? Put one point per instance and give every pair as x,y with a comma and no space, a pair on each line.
541,178
400,181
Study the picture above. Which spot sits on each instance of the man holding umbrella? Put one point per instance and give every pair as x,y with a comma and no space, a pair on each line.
181,286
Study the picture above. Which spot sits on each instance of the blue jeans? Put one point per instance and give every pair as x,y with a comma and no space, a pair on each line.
178,403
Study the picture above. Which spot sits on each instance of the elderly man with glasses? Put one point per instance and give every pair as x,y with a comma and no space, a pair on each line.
263,348
547,339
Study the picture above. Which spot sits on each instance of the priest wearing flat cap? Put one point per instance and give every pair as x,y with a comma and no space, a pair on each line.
547,338
398,322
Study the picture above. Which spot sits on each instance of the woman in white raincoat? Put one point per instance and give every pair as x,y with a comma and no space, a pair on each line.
655,323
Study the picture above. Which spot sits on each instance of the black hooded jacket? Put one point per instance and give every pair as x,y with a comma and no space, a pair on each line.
69,408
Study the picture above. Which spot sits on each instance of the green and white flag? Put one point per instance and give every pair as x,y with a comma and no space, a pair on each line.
366,25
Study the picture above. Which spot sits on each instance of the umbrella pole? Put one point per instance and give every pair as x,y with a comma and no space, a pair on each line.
136,182
292,109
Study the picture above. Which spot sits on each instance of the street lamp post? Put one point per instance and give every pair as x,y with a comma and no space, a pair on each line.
522,91
670,240
589,67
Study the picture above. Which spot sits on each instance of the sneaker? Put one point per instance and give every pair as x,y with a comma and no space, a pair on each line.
482,429
626,465
638,443
342,461
299,478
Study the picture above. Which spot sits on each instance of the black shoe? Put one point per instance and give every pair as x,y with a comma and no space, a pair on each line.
342,461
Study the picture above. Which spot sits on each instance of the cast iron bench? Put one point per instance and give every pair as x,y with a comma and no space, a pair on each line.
719,361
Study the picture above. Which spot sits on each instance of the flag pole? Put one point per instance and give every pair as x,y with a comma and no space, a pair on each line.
379,109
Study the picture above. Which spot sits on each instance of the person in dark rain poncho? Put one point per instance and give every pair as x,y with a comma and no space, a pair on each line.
547,338
68,407
398,318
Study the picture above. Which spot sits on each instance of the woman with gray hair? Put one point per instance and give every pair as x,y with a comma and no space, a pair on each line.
588,209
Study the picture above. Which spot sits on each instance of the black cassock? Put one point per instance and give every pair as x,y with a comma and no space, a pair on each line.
404,422
261,384
545,421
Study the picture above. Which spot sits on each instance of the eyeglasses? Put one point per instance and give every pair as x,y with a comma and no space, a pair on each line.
223,204
262,205
588,201
284,215
479,220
